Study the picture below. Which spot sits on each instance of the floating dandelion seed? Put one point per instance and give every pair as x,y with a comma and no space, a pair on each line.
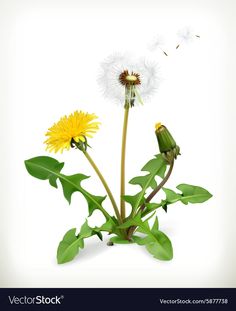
119,70
156,44
186,35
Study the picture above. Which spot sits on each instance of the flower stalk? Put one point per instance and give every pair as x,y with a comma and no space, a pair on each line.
123,153
109,193
150,197
129,80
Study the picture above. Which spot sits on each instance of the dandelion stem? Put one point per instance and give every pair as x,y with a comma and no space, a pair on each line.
151,195
110,195
158,188
123,149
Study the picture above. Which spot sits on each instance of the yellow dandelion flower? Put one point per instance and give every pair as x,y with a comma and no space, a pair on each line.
73,128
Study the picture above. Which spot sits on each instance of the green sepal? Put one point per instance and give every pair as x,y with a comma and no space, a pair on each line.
167,145
165,140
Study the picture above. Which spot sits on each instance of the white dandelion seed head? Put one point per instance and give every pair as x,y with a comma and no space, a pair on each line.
157,42
186,35
150,78
115,64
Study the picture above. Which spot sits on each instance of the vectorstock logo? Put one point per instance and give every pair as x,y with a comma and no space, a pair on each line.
37,300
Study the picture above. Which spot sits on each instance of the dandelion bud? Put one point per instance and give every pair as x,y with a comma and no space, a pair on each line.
166,142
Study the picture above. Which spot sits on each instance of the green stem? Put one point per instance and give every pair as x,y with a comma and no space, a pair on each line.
158,188
110,195
123,149
151,195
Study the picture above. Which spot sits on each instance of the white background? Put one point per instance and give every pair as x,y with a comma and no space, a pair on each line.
50,57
